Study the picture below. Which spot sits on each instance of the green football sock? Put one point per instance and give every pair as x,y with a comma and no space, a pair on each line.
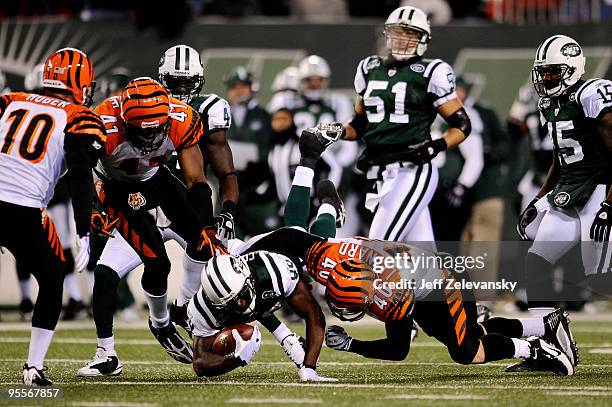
324,226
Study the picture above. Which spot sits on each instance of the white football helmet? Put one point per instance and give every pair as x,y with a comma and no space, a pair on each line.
402,23
287,79
227,280
181,72
559,64
34,78
313,66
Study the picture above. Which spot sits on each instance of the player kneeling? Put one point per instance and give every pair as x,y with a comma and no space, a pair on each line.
240,289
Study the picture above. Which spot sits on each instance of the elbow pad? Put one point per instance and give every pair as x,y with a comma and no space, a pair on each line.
359,123
460,120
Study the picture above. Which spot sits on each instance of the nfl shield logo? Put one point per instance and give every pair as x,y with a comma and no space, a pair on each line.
136,201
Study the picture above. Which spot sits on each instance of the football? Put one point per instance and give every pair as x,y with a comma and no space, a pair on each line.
224,342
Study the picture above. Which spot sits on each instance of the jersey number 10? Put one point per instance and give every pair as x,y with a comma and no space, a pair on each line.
39,128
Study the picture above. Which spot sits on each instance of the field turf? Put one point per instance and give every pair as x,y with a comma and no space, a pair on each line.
427,377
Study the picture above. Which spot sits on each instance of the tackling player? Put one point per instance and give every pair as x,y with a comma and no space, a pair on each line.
40,136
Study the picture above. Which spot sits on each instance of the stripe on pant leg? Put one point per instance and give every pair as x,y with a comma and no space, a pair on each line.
602,257
404,204
416,204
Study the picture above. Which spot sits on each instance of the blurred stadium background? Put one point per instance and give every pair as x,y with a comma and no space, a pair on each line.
489,42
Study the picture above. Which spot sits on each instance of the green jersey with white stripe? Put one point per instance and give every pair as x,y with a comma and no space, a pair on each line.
400,100
571,120
275,277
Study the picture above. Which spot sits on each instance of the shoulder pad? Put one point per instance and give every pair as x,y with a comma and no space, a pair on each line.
595,97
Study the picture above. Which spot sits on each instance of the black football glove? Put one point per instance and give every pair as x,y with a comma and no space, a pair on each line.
225,226
455,195
314,140
526,217
602,224
425,151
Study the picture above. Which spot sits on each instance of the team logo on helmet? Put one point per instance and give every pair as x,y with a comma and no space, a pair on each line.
561,199
136,201
571,50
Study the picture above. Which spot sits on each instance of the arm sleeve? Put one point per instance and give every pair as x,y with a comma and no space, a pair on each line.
394,347
288,241
441,82
199,325
84,144
364,66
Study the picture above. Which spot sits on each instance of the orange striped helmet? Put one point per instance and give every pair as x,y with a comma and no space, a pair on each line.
145,108
349,289
71,71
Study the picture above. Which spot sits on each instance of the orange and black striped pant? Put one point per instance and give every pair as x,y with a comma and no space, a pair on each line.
450,316
32,239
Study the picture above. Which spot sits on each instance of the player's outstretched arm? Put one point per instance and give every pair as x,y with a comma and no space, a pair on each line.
209,364
458,121
219,156
394,347
306,307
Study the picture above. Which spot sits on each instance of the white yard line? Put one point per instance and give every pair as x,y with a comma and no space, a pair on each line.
109,404
580,393
339,385
273,400
282,363
435,397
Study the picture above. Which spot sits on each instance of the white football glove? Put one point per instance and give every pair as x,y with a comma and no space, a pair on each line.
310,375
337,338
82,258
245,350
293,345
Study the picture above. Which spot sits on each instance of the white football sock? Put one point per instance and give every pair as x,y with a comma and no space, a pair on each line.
158,309
522,348
72,286
192,270
107,344
532,326
326,209
540,312
40,339
281,332
303,177
26,288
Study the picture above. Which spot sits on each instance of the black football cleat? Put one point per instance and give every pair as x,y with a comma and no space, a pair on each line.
546,357
178,315
173,343
483,312
34,377
327,193
527,365
557,332
104,363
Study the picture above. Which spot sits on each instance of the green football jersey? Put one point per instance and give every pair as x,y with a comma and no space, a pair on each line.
400,103
571,120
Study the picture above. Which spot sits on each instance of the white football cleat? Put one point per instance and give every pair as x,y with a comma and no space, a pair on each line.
104,363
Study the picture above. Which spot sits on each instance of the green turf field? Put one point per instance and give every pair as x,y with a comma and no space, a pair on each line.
428,376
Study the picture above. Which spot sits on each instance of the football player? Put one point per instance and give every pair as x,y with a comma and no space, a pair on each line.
400,94
144,126
449,315
41,135
240,289
313,103
574,203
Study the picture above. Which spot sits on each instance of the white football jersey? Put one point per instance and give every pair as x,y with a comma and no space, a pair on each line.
32,133
125,162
